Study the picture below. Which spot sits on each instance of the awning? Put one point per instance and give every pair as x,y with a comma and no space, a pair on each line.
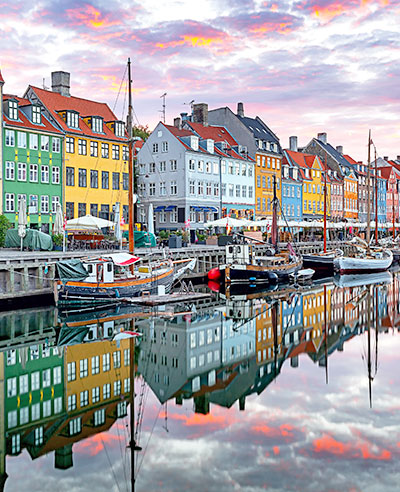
159,208
211,209
197,209
170,207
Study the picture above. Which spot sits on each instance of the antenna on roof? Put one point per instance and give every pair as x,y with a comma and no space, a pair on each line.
44,85
162,111
190,104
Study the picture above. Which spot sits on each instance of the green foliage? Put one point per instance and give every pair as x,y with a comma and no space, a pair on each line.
141,131
4,225
163,235
57,239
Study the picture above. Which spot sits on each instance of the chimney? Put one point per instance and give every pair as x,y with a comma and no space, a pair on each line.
177,123
240,110
60,83
323,137
386,158
398,158
293,143
339,148
200,113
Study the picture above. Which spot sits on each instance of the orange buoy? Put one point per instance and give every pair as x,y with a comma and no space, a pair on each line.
214,274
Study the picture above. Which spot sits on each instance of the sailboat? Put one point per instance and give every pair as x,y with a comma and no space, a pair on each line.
114,277
322,262
243,266
368,259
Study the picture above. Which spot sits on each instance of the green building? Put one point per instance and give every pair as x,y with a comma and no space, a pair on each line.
32,163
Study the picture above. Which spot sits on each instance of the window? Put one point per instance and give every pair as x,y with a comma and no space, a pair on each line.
104,211
75,426
35,381
99,417
70,145
105,180
125,181
82,178
97,125
163,188
106,362
57,375
117,359
152,189
71,371
12,419
152,167
33,141
125,152
173,165
164,147
35,411
173,216
57,404
71,403
94,149
117,388
56,146
55,175
23,384
115,152
10,170
69,210
237,191
70,176
106,390
46,410
46,375
13,110
45,176
94,178
72,119
44,204
84,398
82,147
96,394
10,138
200,166
24,415
81,209
94,209
191,165
21,138
44,143
10,202
83,368
105,150
21,176
155,147
119,128
191,187
11,387
200,188
115,181
216,189
174,188
208,167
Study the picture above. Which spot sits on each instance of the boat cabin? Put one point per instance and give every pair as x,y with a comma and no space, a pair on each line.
100,271
241,254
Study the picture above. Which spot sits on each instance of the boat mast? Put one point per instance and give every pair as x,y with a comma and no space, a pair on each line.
274,230
394,218
368,191
369,348
376,200
326,336
131,173
326,170
132,409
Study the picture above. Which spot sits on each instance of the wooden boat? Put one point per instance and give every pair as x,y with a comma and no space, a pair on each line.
302,276
377,260
322,262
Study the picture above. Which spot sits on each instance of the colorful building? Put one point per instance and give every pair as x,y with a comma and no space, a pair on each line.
32,163
350,188
267,171
95,153
292,190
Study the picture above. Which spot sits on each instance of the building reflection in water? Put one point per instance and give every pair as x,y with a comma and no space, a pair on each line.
64,379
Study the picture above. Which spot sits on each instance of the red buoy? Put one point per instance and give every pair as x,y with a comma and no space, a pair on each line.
213,285
214,274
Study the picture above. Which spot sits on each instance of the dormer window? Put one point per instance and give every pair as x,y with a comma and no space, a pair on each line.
36,115
13,110
72,119
97,124
119,129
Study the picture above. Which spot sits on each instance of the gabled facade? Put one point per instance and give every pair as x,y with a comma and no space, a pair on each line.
180,177
96,151
292,189
267,170
328,154
236,168
32,163
350,187
392,177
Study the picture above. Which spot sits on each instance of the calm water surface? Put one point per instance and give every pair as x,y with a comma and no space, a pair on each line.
288,390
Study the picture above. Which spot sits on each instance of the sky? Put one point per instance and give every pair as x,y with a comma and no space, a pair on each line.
304,67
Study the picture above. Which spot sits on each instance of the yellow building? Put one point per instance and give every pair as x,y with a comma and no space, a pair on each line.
96,373
267,167
95,171
350,195
267,348
314,312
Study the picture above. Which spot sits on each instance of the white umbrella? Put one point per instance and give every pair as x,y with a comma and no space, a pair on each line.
22,220
88,222
150,220
117,223
58,227
227,222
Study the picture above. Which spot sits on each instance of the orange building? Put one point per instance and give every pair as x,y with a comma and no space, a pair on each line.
267,167
350,188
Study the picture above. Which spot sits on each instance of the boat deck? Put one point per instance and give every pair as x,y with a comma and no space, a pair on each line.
175,297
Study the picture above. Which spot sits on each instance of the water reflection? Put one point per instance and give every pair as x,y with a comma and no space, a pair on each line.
64,379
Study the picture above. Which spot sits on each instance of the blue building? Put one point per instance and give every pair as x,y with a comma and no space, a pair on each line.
292,189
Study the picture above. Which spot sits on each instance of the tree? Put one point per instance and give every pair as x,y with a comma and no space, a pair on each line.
4,226
141,131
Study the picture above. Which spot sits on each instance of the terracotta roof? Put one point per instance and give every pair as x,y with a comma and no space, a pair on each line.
178,132
55,102
216,133
24,122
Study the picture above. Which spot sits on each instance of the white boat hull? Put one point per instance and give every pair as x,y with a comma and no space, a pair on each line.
346,264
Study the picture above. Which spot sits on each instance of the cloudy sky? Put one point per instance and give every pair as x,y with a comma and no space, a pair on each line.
303,66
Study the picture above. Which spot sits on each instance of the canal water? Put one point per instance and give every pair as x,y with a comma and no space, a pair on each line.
295,389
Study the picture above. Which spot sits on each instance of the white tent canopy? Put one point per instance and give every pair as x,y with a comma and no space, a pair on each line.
227,222
88,223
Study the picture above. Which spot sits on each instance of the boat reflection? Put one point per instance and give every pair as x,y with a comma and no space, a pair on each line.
65,378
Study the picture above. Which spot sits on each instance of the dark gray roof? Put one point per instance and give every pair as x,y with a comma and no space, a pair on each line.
259,130
336,155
